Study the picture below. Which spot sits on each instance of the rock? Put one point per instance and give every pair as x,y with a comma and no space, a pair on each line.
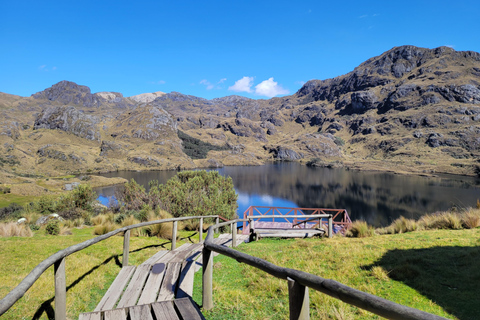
43,220
364,100
110,148
70,186
22,221
147,97
145,161
69,119
285,154
48,152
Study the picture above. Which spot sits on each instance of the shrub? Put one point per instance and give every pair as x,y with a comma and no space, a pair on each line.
191,225
143,214
199,193
52,228
360,229
196,148
12,229
12,211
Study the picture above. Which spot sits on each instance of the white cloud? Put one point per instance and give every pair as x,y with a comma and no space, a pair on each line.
269,88
300,82
222,80
243,85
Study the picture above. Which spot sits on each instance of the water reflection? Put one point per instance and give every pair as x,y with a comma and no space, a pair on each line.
377,198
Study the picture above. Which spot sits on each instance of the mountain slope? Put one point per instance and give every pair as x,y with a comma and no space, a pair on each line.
410,109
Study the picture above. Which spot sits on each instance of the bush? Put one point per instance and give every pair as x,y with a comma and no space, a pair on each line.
199,193
13,211
52,228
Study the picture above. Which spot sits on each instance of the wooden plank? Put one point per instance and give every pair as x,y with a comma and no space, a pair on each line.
153,259
143,312
114,292
115,314
152,286
134,289
183,255
90,316
164,310
185,282
169,284
172,254
188,309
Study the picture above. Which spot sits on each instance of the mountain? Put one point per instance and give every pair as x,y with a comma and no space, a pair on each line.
410,109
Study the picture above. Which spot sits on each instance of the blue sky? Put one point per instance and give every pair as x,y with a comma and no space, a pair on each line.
210,49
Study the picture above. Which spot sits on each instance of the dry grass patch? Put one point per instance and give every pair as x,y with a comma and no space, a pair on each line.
12,229
360,229
471,218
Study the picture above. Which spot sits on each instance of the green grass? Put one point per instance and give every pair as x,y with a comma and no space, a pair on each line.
434,271
7,199
89,272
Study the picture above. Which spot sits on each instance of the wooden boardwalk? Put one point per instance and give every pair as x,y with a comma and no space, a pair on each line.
159,288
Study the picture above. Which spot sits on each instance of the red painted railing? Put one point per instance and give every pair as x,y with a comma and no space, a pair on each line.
341,219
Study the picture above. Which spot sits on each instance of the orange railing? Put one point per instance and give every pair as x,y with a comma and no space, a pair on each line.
296,216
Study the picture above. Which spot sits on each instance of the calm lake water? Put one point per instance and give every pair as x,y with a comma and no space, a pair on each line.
378,198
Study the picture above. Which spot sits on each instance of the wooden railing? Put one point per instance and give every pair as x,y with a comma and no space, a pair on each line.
298,284
58,260
341,219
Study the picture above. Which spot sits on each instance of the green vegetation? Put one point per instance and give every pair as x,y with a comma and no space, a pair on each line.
196,148
434,271
189,193
89,272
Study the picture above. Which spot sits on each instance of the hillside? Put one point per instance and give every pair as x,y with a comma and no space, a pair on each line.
410,109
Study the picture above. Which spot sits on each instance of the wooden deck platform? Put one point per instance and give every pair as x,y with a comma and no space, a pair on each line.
268,229
162,284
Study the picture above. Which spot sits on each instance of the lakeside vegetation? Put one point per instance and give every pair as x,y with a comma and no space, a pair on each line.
429,264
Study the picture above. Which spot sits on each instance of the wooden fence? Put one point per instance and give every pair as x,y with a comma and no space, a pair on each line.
298,284
58,261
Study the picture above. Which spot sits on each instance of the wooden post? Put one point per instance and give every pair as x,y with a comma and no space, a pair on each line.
126,248
330,226
234,234
207,278
200,230
174,235
252,230
60,291
217,220
298,300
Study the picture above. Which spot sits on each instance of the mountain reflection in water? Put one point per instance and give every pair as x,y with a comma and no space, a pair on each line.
378,198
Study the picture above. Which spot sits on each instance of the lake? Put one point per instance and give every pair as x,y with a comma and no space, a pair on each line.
378,198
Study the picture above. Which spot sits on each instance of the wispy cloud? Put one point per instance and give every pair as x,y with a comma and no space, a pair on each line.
450,46
242,85
158,82
45,68
211,86
270,88
363,16
300,83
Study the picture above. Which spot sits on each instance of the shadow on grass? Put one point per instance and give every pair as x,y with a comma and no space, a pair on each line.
47,308
449,276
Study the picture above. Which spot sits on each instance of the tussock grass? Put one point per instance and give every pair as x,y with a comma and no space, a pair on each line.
471,218
12,229
104,228
360,229
160,230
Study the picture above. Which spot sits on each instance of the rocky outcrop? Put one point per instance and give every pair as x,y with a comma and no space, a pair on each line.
147,123
146,97
69,119
283,153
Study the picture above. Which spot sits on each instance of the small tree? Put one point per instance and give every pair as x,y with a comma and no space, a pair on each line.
199,193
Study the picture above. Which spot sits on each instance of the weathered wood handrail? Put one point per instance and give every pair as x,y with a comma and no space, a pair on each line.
58,259
366,301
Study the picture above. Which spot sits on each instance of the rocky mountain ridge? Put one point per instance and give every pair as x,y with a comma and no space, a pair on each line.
411,108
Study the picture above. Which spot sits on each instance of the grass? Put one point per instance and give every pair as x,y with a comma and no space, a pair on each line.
434,271
7,199
89,272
